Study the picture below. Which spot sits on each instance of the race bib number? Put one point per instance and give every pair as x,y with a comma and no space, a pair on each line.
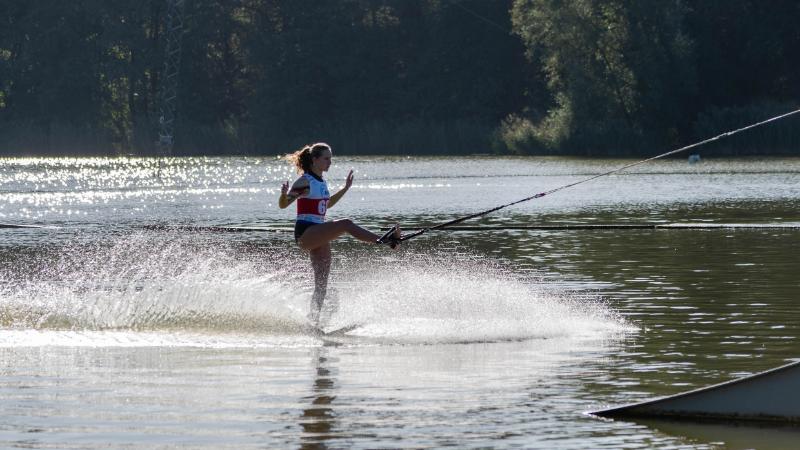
322,206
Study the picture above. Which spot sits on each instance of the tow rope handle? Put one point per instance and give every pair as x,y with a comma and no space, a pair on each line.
389,239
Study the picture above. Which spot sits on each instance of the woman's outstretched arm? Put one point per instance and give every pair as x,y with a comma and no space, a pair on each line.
337,196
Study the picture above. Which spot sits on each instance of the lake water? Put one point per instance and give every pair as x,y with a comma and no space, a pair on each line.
113,335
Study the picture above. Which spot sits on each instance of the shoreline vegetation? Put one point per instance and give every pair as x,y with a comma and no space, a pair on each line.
598,78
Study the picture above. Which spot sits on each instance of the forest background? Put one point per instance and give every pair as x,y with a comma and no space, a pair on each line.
440,77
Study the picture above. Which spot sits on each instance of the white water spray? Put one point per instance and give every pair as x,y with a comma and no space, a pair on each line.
170,284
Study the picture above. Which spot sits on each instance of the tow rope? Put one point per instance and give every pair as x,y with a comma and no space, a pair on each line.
388,238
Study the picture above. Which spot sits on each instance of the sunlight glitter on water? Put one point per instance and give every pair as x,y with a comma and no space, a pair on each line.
514,332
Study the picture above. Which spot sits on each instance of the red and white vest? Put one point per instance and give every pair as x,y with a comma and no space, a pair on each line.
312,205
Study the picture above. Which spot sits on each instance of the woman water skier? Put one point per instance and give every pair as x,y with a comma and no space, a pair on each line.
311,232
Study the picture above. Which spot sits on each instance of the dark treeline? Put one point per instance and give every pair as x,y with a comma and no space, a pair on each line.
583,77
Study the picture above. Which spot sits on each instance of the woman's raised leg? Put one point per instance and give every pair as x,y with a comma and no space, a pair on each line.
323,233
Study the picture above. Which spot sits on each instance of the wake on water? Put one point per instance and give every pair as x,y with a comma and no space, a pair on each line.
165,289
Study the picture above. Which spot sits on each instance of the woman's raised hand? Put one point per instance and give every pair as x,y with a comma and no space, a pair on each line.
284,188
349,181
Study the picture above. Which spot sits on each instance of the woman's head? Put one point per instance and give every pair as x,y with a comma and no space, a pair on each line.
311,158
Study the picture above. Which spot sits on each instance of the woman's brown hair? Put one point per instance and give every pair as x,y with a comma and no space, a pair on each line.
303,158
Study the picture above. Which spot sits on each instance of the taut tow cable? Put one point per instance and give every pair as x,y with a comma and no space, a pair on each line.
386,236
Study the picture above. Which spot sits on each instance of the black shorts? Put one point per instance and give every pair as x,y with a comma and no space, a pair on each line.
300,227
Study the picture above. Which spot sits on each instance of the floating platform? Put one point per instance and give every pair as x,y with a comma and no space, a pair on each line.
13,225
773,395
608,226
215,229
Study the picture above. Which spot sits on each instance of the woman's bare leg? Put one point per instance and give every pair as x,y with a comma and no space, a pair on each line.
321,263
323,233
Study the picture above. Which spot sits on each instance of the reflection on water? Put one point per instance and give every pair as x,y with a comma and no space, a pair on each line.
318,420
733,435
464,339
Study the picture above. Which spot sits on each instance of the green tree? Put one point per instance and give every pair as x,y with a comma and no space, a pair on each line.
75,75
384,75
51,71
618,71
747,71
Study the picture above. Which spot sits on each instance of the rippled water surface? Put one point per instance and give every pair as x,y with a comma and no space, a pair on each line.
114,334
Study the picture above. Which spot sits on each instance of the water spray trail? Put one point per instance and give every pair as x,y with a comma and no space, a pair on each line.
151,282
